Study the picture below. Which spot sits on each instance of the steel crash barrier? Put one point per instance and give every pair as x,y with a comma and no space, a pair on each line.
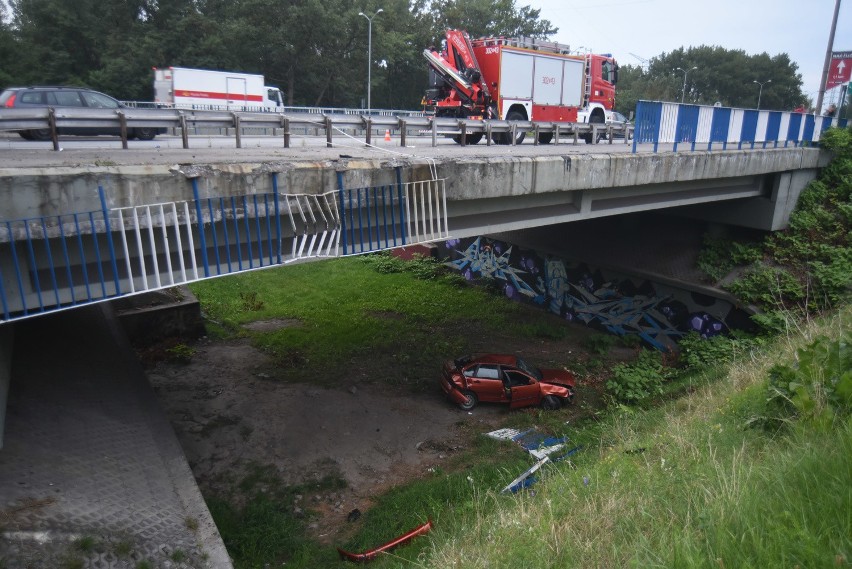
63,261
184,121
702,127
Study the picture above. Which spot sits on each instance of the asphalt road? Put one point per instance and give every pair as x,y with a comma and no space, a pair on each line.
106,151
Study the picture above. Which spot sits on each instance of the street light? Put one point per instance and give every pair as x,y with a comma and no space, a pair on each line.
760,92
369,50
685,71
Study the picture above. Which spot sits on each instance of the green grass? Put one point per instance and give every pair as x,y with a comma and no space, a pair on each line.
265,527
347,310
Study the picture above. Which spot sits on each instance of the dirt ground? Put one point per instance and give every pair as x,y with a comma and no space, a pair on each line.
230,412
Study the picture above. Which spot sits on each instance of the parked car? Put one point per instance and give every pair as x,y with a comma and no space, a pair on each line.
34,97
503,378
617,119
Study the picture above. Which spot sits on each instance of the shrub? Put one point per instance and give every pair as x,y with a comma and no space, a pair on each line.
768,285
719,256
818,387
636,381
696,351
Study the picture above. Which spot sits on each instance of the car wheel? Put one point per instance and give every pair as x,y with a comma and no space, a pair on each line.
551,403
39,134
469,402
144,133
25,134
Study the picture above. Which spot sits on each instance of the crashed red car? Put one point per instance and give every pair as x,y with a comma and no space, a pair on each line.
502,378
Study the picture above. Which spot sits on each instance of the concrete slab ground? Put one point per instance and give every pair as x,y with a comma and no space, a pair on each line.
91,473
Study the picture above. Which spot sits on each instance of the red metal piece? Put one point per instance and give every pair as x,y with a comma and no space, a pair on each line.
373,553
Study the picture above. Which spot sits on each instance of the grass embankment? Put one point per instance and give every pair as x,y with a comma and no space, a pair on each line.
705,480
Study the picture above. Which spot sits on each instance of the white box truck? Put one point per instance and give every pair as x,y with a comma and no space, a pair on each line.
205,89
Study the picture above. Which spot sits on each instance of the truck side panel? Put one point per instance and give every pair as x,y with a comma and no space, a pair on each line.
516,75
547,84
217,89
572,83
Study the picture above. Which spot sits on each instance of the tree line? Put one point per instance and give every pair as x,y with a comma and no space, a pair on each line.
316,50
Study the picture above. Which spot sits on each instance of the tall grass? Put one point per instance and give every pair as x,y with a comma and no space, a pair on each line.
689,484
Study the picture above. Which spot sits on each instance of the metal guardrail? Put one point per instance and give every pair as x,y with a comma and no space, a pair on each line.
183,120
701,126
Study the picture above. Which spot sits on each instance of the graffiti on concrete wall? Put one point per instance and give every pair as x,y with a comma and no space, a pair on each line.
657,313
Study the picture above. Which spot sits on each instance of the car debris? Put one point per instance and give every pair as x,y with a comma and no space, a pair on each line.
539,445
374,553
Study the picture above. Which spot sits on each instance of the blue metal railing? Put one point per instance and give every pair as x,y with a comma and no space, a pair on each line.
709,127
59,262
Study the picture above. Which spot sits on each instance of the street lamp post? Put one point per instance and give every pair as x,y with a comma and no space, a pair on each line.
369,51
685,71
760,92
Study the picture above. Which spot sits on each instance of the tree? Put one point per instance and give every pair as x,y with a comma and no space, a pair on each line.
315,50
722,75
481,18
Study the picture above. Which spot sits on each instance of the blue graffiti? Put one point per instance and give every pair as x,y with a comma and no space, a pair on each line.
488,260
580,294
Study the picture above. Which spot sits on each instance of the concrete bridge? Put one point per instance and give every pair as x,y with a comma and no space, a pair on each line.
82,227
76,234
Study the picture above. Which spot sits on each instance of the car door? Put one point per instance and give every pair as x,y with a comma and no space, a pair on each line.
95,100
524,390
67,98
485,380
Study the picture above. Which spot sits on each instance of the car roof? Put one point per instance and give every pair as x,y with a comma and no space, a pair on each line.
50,88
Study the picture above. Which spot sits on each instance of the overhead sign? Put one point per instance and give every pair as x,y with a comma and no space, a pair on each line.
840,69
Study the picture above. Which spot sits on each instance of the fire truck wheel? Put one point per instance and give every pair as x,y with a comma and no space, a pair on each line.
519,134
545,137
472,138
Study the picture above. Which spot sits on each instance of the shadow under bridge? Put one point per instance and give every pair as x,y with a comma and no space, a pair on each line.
59,262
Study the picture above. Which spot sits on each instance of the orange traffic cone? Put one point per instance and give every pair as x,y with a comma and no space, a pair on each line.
387,135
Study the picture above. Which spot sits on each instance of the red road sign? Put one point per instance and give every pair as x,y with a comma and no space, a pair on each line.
840,69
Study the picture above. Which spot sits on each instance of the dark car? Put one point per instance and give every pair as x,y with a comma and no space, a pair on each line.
502,378
34,97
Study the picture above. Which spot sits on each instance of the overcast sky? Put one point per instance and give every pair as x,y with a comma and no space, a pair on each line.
648,28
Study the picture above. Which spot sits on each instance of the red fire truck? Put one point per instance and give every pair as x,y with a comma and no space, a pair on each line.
518,79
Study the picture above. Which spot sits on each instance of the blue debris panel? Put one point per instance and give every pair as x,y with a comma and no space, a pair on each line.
541,446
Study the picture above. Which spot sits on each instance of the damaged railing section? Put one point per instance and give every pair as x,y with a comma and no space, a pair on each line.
385,217
57,262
